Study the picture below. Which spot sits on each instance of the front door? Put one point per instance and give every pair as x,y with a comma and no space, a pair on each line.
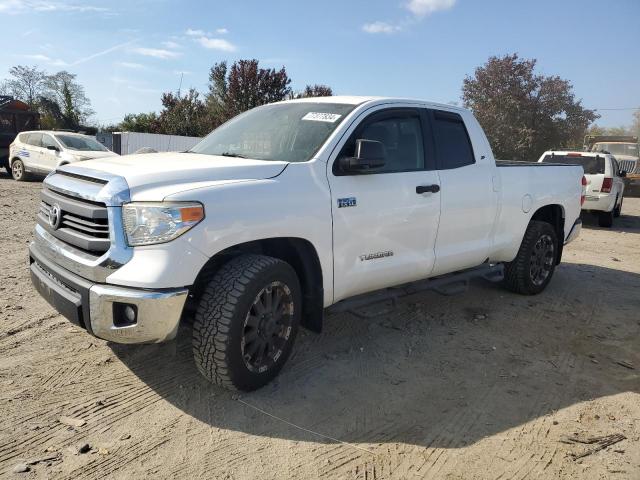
50,158
385,222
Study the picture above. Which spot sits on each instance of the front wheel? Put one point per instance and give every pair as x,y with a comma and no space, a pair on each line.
246,322
17,171
531,271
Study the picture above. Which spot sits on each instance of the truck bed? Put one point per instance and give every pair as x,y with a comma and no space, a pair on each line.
518,163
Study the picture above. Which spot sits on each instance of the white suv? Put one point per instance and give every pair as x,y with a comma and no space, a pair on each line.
605,184
41,152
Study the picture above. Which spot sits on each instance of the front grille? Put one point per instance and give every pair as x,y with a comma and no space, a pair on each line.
82,224
628,166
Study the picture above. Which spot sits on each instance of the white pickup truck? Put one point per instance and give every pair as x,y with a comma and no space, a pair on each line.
289,209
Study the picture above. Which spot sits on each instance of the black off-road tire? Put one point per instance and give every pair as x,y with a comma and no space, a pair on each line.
220,320
18,172
618,210
518,276
605,219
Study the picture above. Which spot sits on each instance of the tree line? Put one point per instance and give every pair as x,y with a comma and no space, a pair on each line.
522,112
232,89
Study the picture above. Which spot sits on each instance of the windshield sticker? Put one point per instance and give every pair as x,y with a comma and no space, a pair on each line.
321,117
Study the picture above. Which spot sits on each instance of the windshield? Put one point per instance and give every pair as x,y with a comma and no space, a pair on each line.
82,143
630,149
591,165
292,132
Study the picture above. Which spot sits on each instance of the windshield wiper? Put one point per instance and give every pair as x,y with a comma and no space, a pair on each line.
231,154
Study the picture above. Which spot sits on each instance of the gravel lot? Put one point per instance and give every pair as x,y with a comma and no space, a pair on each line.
483,385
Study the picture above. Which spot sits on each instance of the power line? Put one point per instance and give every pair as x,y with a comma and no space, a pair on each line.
626,108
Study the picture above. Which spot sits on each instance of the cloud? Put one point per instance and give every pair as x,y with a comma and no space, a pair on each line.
131,65
217,44
422,8
14,7
194,33
156,53
222,31
100,53
419,9
170,44
62,63
380,27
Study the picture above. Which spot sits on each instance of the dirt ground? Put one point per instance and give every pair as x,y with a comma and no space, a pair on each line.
483,385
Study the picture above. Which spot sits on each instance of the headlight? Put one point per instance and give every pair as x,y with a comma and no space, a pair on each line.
147,223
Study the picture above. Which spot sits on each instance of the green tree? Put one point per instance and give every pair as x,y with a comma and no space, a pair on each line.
316,90
184,115
140,122
524,113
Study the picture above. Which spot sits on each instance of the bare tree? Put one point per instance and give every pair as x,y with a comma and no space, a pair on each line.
63,89
26,84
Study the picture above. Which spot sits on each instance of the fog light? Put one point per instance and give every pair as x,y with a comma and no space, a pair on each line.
125,314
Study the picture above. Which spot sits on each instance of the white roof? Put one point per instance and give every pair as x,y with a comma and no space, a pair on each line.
56,132
357,100
577,152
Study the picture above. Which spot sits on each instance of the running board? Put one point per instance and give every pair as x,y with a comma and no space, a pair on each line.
450,284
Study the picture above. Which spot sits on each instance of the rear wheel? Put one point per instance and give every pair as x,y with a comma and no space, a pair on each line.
246,322
618,210
605,219
17,171
531,271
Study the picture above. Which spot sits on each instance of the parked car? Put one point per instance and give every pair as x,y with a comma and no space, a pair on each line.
288,209
605,182
41,152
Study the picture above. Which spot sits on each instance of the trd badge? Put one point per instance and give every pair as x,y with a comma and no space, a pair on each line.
347,202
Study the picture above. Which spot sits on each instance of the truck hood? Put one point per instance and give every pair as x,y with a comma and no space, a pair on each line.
154,176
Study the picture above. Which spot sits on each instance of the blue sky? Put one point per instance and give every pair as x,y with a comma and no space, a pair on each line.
126,53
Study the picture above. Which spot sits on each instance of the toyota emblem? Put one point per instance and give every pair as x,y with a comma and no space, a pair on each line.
55,216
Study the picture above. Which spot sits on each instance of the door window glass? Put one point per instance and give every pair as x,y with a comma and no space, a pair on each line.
401,136
47,141
452,141
35,139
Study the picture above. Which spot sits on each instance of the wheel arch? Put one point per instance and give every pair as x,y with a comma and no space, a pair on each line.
297,252
554,215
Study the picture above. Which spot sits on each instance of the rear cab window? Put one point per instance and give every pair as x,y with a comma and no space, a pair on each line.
591,165
452,142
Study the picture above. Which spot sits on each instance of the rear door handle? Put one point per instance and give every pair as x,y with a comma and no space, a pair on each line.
427,189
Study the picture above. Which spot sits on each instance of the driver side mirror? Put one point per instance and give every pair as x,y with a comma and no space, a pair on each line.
53,147
623,173
369,155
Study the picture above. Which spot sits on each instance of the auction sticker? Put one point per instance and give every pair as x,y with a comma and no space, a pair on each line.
321,117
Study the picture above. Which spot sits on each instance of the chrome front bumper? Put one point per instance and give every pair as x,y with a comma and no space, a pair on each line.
94,306
158,313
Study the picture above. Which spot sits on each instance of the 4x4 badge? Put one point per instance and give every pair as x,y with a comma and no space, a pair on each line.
347,202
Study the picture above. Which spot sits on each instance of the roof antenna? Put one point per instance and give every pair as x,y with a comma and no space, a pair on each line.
180,86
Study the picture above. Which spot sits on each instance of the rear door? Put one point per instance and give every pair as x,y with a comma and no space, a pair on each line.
385,222
32,157
469,199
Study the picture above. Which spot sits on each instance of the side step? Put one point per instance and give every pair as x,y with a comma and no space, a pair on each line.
450,284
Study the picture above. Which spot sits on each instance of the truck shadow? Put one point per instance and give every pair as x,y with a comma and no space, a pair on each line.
624,223
431,371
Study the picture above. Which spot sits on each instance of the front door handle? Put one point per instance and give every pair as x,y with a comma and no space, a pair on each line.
427,188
